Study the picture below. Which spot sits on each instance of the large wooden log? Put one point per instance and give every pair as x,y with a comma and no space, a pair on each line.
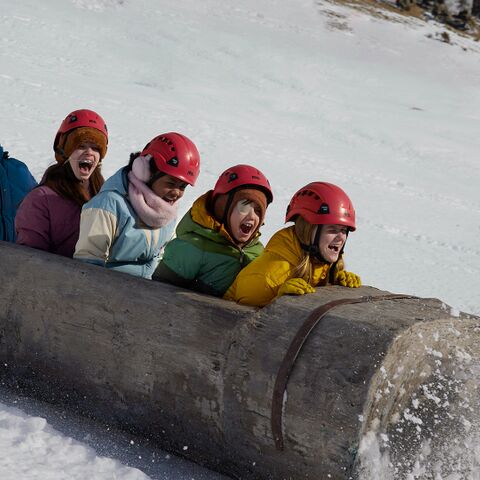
196,374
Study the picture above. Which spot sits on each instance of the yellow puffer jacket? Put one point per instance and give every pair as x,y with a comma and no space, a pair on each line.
258,283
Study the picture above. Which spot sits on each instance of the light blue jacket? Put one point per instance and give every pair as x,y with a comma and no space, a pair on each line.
112,235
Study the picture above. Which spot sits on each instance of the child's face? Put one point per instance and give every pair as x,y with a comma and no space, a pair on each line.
169,188
244,220
332,240
84,160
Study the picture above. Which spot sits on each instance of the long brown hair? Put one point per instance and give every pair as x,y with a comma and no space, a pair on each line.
61,179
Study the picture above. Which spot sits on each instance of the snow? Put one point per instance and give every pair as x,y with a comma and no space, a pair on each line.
55,456
42,441
304,90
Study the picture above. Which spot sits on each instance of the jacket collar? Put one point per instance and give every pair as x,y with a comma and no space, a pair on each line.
285,243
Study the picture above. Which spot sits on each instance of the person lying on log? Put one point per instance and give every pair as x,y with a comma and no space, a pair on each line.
306,255
49,216
126,226
220,234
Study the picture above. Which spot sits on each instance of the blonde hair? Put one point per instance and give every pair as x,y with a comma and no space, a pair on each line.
305,233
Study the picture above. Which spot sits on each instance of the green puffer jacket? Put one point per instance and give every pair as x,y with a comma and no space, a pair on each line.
203,256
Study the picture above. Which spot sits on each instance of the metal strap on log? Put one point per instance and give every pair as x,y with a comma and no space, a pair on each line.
294,349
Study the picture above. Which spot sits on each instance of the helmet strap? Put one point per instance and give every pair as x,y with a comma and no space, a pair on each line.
59,149
61,152
343,248
333,268
313,248
310,249
228,204
332,271
156,175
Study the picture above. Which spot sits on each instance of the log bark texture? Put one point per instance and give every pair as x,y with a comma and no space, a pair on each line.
185,369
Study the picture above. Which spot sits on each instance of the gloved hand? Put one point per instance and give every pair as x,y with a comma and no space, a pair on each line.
347,279
295,286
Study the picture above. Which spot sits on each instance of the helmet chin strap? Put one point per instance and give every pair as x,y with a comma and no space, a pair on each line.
332,272
225,220
228,204
60,150
313,248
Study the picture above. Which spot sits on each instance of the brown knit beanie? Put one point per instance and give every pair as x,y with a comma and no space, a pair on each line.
70,141
252,194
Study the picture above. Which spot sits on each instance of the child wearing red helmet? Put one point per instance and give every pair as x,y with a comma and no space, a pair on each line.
220,234
306,255
49,216
126,226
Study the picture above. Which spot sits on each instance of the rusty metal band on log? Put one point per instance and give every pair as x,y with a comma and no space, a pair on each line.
294,349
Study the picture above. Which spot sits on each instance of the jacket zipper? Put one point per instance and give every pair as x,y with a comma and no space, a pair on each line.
242,255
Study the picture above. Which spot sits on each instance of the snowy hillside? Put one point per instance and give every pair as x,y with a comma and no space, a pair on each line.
304,90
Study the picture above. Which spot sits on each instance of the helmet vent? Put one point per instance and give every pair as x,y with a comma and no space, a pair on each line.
168,142
309,193
173,162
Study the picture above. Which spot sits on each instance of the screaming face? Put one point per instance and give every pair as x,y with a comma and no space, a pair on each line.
84,161
332,239
244,220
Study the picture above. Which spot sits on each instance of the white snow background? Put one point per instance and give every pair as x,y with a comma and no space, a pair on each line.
303,90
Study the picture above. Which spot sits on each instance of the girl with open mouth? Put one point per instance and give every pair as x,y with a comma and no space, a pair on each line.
49,216
220,234
126,226
306,255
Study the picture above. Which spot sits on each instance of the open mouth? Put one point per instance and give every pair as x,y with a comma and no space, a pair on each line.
85,166
334,248
246,228
171,201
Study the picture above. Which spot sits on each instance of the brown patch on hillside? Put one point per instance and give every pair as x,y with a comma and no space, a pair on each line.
389,11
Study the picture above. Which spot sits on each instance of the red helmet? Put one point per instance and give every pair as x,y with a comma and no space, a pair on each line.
242,176
322,203
176,155
81,118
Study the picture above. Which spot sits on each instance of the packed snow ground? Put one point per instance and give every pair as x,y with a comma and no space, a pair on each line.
39,441
304,90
